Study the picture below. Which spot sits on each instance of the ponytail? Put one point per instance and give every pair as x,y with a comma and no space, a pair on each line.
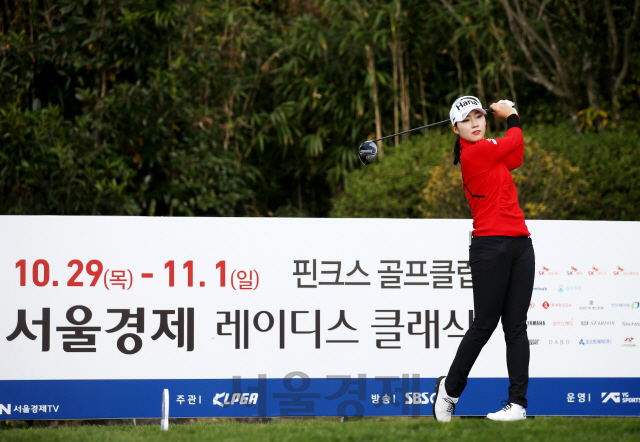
456,151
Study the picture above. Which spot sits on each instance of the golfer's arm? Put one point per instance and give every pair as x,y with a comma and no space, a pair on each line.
514,136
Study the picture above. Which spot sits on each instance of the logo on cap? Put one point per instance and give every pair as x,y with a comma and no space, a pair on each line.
462,106
467,102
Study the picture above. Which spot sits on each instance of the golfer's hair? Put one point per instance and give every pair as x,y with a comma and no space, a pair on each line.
456,151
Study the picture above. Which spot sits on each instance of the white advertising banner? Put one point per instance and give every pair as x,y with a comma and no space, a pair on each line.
132,298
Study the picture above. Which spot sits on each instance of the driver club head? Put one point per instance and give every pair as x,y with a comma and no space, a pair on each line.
367,152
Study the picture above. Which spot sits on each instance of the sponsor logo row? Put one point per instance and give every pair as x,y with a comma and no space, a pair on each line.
626,342
591,305
568,322
593,271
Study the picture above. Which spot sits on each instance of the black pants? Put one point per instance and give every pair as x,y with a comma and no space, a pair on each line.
502,270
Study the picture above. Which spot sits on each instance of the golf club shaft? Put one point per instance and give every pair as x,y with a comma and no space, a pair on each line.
489,111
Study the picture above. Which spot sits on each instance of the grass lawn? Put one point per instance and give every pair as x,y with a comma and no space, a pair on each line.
396,430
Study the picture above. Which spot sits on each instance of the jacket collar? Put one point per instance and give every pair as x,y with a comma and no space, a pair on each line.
464,143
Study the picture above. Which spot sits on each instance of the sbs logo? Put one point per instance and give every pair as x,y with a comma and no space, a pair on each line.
418,398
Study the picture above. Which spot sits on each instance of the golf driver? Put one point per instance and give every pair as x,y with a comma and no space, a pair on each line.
369,150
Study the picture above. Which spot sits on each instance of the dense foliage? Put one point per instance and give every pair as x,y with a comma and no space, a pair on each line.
563,176
256,107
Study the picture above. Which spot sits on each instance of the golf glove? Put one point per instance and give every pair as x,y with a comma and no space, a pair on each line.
510,103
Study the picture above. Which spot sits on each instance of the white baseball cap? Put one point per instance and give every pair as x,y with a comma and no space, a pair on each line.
462,106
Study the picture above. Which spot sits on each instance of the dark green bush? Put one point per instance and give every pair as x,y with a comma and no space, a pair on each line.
593,176
391,187
608,161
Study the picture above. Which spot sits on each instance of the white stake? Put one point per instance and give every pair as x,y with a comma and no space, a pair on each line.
164,422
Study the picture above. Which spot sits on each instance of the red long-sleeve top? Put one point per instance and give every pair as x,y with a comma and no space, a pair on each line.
488,184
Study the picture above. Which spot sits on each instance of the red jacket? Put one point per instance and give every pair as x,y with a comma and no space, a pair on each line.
489,186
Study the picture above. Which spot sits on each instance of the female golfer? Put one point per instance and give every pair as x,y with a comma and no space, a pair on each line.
501,255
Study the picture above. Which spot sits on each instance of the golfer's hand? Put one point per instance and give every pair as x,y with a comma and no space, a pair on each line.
504,108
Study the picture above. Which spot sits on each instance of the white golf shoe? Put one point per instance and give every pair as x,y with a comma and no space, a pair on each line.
510,412
443,404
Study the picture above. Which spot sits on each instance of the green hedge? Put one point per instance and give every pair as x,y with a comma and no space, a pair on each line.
609,161
391,187
593,176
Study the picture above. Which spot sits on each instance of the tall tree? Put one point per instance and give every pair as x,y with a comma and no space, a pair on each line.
563,48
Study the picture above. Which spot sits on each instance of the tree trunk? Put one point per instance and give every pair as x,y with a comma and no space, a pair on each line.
481,94
456,59
423,100
405,102
371,69
394,56
397,59
619,74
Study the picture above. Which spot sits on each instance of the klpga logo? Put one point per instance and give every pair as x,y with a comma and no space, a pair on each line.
418,398
241,398
615,397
